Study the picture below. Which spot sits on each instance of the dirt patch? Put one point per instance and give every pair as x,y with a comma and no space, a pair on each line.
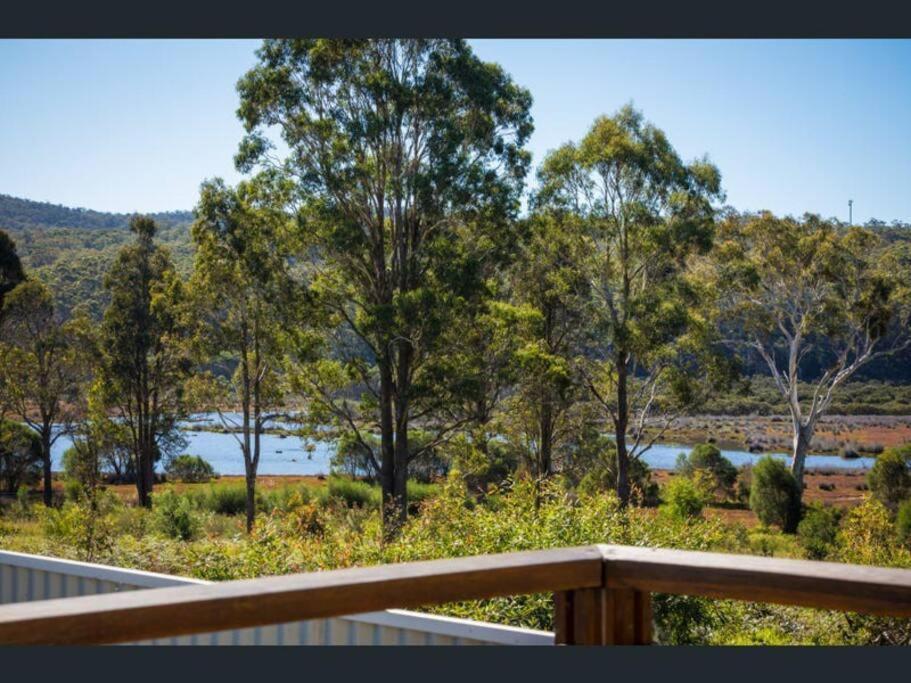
867,434
840,488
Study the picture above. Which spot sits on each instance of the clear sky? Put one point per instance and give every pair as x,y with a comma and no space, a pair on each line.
794,126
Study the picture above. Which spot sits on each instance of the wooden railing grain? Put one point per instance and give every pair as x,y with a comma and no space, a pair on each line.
602,594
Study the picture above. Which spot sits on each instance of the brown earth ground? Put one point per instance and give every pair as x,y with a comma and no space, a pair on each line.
867,434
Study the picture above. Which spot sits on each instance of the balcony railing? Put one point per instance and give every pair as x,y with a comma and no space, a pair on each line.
602,594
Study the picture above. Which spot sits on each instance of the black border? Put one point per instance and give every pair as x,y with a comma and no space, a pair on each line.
457,18
467,665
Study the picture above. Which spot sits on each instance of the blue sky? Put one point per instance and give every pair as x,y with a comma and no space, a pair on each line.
794,126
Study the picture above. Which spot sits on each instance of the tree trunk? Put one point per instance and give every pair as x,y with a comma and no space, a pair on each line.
251,496
402,452
803,434
46,461
387,448
145,477
545,463
620,426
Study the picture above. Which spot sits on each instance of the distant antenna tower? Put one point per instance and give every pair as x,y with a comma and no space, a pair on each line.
850,212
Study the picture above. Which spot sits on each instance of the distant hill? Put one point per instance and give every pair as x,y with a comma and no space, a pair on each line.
72,249
25,214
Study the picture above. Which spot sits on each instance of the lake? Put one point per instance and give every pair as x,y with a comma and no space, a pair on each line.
289,455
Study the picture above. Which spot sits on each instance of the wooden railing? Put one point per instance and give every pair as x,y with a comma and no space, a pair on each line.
602,594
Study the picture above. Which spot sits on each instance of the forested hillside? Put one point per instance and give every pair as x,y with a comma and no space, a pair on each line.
72,249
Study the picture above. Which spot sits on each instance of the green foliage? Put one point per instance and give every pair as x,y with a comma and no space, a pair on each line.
481,462
686,496
143,358
774,496
903,523
890,477
176,516
818,530
599,475
20,456
394,274
11,273
23,501
191,469
221,499
867,535
84,523
643,215
708,459
354,493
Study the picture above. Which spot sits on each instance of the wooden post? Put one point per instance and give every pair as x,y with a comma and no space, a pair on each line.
629,617
597,616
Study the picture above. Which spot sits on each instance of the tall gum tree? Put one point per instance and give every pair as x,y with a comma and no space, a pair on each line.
548,294
645,213
242,288
143,351
41,368
409,160
795,290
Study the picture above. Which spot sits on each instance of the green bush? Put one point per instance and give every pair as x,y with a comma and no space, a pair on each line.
222,499
288,498
191,469
818,529
20,456
87,525
685,497
707,458
774,496
903,522
354,493
175,516
890,477
594,470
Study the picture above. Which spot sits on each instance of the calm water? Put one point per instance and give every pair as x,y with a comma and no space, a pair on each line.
291,456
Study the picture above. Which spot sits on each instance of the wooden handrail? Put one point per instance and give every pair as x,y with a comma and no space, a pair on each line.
602,594
162,612
804,583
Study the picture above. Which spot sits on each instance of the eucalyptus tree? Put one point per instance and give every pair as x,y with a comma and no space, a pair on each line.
143,351
409,164
549,294
40,367
11,273
243,290
809,290
646,213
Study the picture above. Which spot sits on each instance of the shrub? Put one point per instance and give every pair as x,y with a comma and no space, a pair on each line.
685,497
20,456
481,467
707,458
774,495
818,529
23,501
742,488
86,525
191,469
890,477
288,498
868,536
225,499
602,476
175,516
354,493
903,522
